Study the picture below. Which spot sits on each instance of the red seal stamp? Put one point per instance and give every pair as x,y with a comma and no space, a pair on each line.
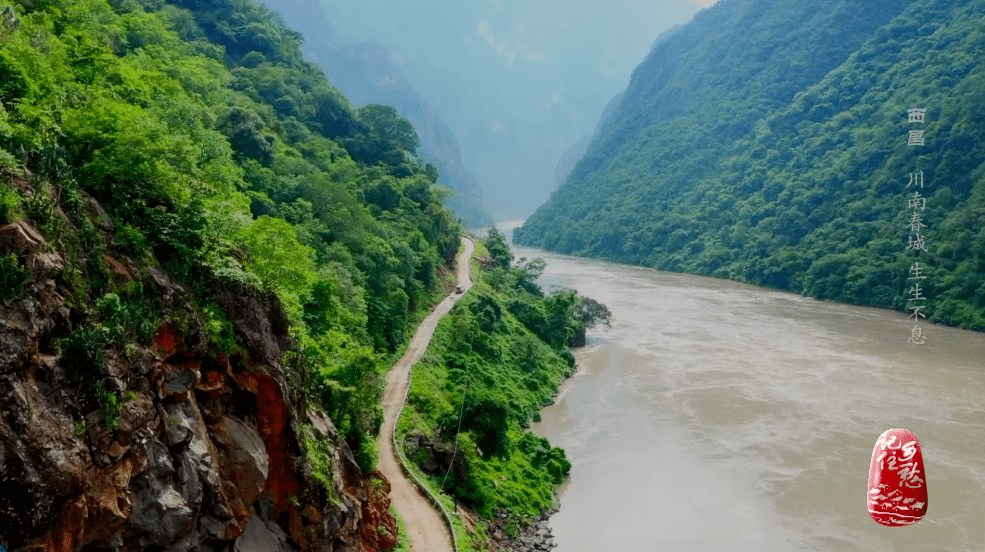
897,492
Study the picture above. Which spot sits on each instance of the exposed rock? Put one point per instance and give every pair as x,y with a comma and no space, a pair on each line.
97,212
42,463
118,268
274,419
485,261
25,325
262,536
108,500
379,526
243,458
536,535
161,516
435,455
172,294
136,418
203,455
19,238
178,378
259,318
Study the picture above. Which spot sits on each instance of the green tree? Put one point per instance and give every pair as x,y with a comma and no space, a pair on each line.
591,313
280,260
498,249
395,131
488,420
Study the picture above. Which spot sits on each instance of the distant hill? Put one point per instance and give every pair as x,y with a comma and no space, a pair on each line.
366,73
566,163
662,37
766,142
572,155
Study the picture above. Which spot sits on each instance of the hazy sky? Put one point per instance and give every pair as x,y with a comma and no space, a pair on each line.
518,81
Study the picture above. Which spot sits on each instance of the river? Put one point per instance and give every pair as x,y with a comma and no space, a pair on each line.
718,416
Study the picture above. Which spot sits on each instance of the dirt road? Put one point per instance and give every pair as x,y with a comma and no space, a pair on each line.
427,531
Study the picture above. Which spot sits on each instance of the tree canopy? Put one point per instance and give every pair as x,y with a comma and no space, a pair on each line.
768,144
219,154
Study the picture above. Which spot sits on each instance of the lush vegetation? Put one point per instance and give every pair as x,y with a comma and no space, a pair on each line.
366,72
215,152
493,363
767,143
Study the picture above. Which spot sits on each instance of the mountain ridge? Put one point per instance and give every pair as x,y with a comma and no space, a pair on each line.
758,171
366,73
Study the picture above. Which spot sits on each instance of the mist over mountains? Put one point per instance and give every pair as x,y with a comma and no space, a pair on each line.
367,74
572,155
517,82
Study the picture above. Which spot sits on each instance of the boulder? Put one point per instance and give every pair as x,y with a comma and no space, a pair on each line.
243,457
160,515
42,461
261,536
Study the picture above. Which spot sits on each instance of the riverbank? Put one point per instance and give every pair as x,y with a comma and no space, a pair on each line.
423,522
710,399
493,363
535,537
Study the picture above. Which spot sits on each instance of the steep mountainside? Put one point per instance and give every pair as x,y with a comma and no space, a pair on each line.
571,156
206,255
170,443
767,143
208,261
366,73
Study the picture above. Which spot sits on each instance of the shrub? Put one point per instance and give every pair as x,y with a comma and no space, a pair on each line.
487,418
114,318
367,454
220,331
568,357
110,405
10,202
39,207
13,278
131,240
13,79
83,352
126,317
319,455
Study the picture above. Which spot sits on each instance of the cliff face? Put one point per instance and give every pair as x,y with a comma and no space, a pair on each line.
207,451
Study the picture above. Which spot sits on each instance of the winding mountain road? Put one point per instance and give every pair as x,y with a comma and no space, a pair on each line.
426,529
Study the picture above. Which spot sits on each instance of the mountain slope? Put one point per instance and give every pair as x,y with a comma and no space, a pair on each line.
367,74
763,143
205,255
571,156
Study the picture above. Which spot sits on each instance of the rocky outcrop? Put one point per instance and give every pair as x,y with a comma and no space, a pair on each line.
435,456
534,537
204,454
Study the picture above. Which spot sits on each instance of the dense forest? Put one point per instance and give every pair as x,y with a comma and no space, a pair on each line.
208,261
768,144
219,154
367,73
493,363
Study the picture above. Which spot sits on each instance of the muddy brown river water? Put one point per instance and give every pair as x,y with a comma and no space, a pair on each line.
718,416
